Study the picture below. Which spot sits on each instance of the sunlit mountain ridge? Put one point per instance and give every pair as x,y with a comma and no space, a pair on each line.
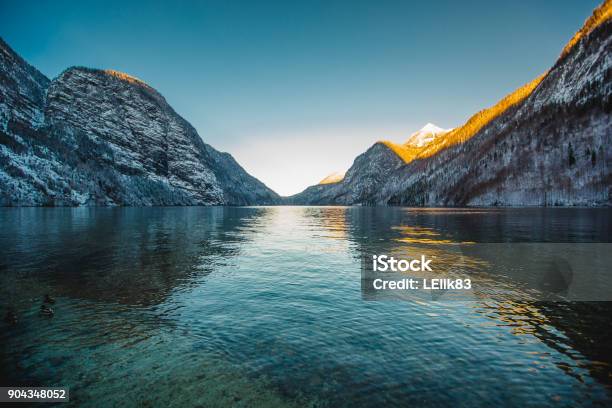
416,142
600,15
335,177
126,77
544,144
409,152
412,145
425,135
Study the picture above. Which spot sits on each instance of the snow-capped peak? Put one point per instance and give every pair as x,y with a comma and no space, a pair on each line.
430,127
425,135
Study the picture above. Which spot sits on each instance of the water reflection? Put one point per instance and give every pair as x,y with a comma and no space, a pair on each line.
581,330
131,255
263,306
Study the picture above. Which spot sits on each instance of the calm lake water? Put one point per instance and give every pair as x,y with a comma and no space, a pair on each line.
264,307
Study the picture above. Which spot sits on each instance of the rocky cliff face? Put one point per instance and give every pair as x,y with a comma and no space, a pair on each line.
93,137
361,182
550,148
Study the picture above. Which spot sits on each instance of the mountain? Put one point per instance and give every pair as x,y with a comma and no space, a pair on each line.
102,137
361,182
547,143
333,178
413,146
426,135
368,172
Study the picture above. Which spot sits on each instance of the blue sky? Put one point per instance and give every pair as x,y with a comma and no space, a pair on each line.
296,89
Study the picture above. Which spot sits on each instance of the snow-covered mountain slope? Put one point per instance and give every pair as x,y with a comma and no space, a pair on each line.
548,143
94,137
426,135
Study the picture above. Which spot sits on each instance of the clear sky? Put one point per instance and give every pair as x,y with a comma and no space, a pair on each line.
296,90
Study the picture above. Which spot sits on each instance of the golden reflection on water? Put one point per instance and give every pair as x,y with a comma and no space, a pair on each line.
423,235
505,303
521,317
331,220
445,253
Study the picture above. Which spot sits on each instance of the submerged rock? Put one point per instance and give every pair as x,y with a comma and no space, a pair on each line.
10,318
46,311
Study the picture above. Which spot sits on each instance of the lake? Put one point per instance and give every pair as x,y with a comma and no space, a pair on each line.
265,306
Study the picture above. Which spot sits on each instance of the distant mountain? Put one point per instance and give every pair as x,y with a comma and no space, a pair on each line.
410,149
426,135
361,182
547,143
101,137
335,177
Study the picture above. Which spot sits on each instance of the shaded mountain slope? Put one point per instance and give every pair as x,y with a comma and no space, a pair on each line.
95,137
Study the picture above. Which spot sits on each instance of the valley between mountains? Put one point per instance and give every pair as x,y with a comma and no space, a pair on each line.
95,137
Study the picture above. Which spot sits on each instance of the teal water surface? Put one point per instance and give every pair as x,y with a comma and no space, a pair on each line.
263,306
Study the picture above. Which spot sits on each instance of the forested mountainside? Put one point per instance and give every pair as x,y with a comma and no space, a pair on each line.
547,143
